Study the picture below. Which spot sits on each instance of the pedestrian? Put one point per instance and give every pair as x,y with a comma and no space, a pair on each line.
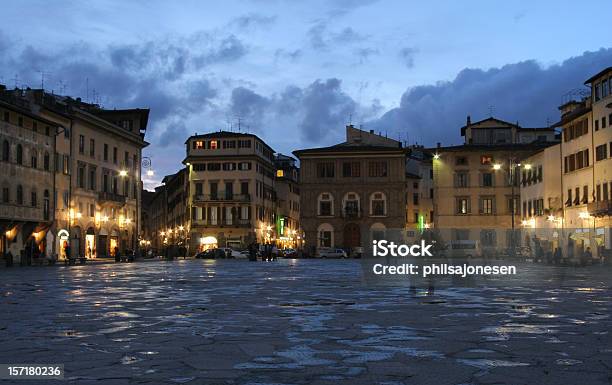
117,254
557,256
587,257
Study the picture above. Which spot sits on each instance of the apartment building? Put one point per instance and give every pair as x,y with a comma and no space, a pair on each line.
286,185
600,208
419,192
26,172
232,197
353,191
476,185
542,198
97,177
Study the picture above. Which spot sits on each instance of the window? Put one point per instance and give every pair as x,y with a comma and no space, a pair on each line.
378,204
244,143
6,194
34,160
597,125
605,192
377,169
33,198
81,176
568,202
461,179
244,165
46,205
486,205
326,205
601,152
325,169
46,161
115,155
585,194
229,166
229,144
6,151
603,122
598,193
66,164
81,144
213,166
92,148
463,205
92,178
214,144
325,238
487,179
19,195
351,169
431,193
6,116
19,154
244,188
415,199
105,152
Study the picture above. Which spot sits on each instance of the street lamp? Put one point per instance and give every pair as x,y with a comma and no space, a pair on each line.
123,173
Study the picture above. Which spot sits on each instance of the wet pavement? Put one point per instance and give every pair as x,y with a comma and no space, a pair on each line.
301,322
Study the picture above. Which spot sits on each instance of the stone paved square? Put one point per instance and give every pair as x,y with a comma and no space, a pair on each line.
301,322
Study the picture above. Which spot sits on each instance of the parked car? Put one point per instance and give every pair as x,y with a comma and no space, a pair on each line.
464,249
289,253
211,254
328,252
230,253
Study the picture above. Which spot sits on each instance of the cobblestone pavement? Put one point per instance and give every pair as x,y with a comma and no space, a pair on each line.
300,322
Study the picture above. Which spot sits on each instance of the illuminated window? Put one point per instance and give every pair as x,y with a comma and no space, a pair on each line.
280,173
213,145
199,144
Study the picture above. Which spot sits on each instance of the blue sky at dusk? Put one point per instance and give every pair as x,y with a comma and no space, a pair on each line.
295,72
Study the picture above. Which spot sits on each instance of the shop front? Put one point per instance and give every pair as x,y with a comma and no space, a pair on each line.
62,242
90,243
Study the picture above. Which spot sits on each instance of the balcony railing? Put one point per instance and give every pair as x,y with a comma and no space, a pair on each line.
600,208
224,223
222,197
110,197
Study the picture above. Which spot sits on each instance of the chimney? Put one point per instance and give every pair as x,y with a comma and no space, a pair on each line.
468,121
438,144
371,131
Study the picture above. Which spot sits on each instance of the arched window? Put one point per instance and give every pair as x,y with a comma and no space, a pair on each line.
33,198
325,235
19,195
46,161
378,204
6,151
34,163
325,205
19,154
46,205
351,207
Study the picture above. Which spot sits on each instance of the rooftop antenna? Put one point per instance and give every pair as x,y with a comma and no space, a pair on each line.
87,89
16,79
490,110
42,78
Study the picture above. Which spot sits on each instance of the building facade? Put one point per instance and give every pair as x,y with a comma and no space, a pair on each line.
286,185
353,191
419,192
26,169
232,199
97,181
476,185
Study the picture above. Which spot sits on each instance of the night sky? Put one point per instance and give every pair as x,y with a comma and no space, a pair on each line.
296,72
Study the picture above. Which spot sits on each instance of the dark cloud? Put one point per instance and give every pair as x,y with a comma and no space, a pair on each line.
322,38
524,92
175,133
249,107
406,54
326,107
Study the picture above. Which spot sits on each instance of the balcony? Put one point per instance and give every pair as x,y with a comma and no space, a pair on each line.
222,197
600,208
109,197
238,223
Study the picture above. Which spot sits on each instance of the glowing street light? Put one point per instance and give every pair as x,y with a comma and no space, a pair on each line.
527,166
150,173
436,156
497,166
123,173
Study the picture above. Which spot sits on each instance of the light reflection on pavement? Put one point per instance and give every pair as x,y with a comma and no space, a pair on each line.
300,322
